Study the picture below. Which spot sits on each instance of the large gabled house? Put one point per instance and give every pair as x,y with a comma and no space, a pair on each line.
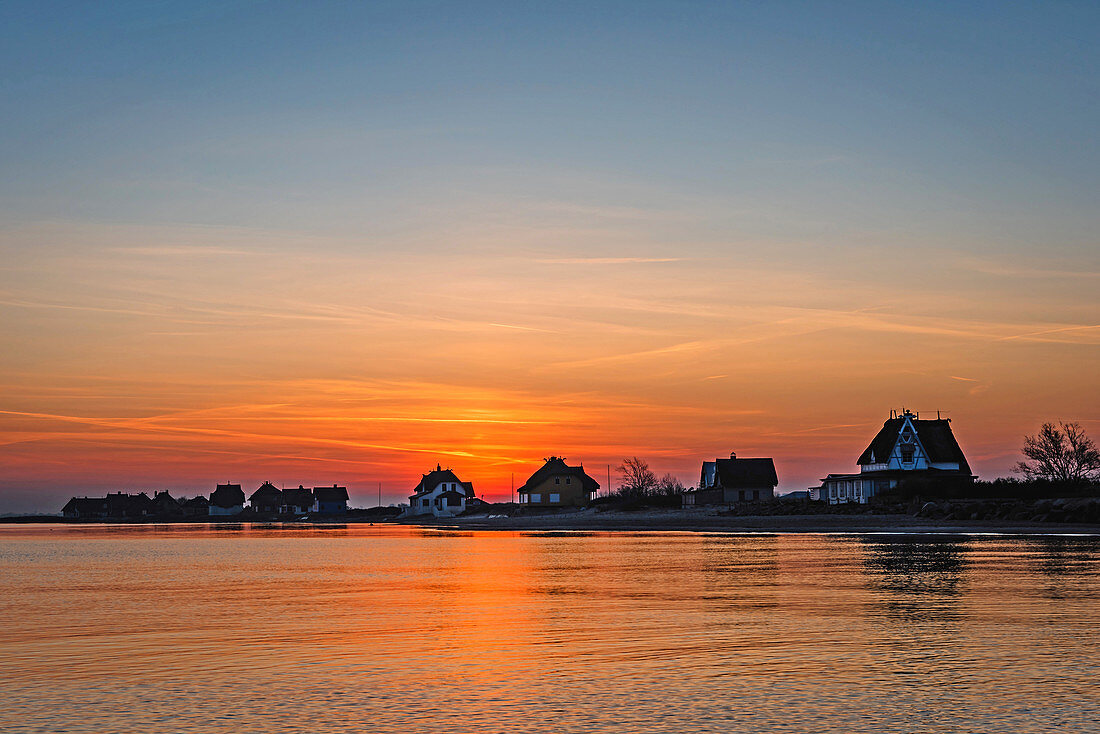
556,484
906,448
440,493
725,481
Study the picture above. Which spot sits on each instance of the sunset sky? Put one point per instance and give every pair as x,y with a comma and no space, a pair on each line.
315,243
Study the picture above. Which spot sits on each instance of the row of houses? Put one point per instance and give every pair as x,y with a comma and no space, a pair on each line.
906,448
227,500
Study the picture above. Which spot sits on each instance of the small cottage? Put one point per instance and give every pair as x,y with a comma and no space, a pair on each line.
226,499
331,500
298,501
267,499
83,508
725,481
197,506
556,484
165,505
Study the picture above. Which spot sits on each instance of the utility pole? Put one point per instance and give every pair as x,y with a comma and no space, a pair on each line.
608,480
513,488
380,494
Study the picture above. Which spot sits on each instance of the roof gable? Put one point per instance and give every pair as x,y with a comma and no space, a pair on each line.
935,436
556,467
741,473
331,494
434,478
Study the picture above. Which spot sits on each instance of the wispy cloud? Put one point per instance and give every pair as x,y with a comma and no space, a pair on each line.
607,260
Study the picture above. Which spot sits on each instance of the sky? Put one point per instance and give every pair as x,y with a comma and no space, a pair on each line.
319,243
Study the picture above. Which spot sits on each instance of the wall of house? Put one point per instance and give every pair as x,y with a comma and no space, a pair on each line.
569,494
748,494
234,510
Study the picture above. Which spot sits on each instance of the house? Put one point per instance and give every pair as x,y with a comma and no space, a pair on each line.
165,505
906,448
267,499
556,484
298,501
725,481
440,493
226,499
85,507
331,500
123,505
197,506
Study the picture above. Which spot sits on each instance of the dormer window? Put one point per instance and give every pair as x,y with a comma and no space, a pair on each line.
907,453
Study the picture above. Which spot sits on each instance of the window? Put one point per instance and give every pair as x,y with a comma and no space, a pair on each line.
555,498
557,480
567,480
536,497
907,453
425,502
832,491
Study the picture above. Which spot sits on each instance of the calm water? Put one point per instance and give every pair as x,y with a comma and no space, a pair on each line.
253,629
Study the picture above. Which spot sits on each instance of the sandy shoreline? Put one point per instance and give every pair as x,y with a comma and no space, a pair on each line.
711,521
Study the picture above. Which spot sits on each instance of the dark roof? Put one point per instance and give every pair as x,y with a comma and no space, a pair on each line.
935,436
741,473
86,505
468,487
227,495
267,492
452,494
197,501
300,497
555,466
434,478
331,494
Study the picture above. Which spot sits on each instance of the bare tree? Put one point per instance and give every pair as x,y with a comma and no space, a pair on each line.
1062,453
635,478
668,486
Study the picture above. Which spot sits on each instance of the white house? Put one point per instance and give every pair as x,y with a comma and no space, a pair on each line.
440,493
906,448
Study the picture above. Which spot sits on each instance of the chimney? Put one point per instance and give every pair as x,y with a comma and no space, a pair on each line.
733,454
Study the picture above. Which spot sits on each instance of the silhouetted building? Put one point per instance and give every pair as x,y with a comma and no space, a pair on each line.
165,505
556,484
226,499
725,481
197,506
268,499
331,500
298,501
906,448
440,493
85,507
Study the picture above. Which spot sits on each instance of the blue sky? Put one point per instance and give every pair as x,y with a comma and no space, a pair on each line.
971,123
